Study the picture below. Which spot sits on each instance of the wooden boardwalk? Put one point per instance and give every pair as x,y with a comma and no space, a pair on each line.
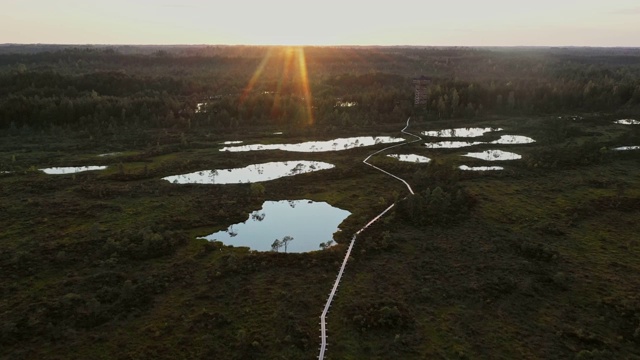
334,289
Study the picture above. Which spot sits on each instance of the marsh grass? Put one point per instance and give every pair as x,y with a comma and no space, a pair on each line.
108,264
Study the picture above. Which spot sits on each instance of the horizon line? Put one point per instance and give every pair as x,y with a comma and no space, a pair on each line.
326,45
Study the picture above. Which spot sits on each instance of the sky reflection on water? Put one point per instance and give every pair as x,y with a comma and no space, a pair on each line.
627,122
250,174
71,169
450,144
460,132
626,148
318,146
309,223
410,158
494,155
480,168
513,139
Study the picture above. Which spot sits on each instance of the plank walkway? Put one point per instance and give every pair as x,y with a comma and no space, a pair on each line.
325,311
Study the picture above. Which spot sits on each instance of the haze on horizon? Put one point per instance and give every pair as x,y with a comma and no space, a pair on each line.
329,22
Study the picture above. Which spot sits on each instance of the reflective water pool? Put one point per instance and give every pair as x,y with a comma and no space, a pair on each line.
625,148
480,168
232,142
308,223
627,122
346,104
460,132
450,144
410,158
110,154
494,155
71,170
250,174
319,146
513,139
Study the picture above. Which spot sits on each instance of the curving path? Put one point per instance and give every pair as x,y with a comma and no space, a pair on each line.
323,317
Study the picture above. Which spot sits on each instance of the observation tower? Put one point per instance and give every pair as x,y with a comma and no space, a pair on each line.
420,84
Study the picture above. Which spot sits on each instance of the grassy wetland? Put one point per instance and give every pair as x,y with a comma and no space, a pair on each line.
537,260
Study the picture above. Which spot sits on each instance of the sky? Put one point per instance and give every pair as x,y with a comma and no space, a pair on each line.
325,22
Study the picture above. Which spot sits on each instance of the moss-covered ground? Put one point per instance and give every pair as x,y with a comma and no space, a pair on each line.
108,264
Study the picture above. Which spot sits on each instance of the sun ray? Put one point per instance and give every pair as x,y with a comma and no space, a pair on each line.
256,75
288,57
304,79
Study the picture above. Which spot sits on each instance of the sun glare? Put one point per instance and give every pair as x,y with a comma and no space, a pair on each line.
294,57
256,76
302,65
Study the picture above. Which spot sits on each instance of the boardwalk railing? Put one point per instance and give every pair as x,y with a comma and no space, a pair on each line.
325,311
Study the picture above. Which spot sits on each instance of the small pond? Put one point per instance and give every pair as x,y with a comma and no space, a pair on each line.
410,158
513,139
625,148
494,155
71,170
347,104
571,117
110,154
450,144
308,223
460,132
480,168
232,142
627,122
250,174
319,146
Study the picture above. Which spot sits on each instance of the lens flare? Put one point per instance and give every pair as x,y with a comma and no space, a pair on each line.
304,78
256,76
286,63
292,57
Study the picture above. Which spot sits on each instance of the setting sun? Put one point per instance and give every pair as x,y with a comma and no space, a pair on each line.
294,64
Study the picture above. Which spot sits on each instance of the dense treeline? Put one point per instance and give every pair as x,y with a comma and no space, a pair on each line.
238,86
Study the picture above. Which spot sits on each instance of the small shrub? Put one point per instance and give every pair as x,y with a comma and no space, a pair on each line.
435,207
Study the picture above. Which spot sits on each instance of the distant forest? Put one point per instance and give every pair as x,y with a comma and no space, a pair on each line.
46,87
